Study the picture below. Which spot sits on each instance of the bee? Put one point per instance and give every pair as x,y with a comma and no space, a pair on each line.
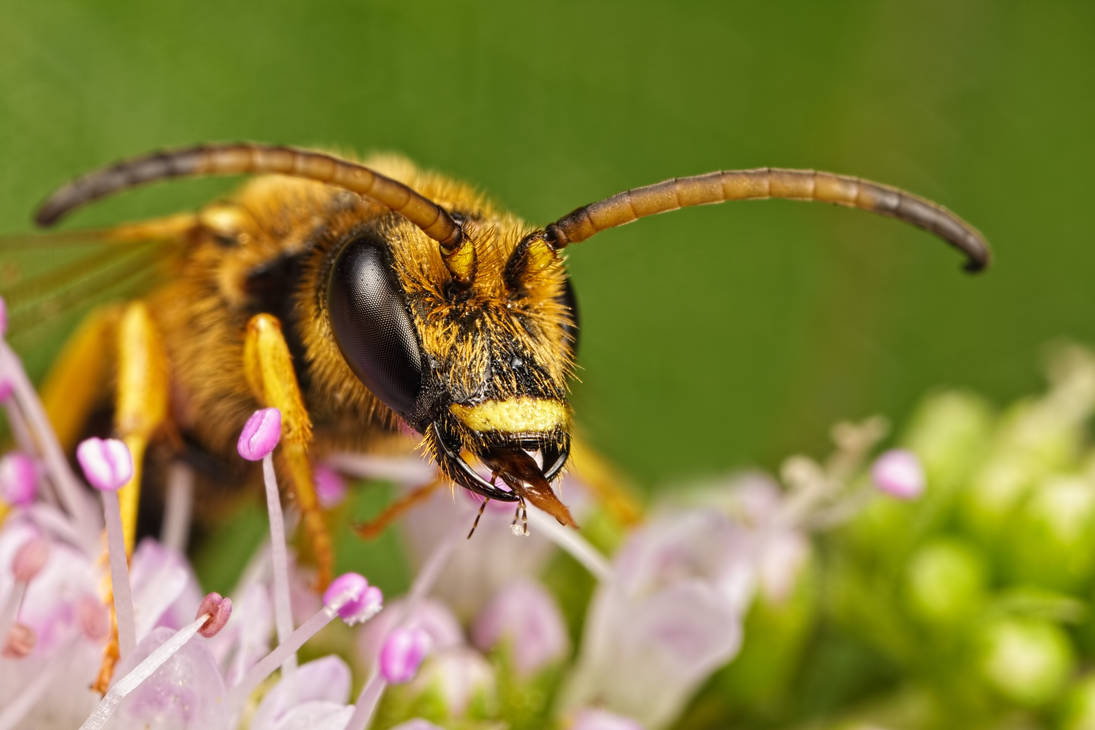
362,299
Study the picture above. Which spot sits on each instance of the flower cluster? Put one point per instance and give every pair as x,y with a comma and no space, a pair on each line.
534,631
975,600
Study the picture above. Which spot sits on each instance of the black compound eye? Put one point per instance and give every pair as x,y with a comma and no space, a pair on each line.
568,300
372,326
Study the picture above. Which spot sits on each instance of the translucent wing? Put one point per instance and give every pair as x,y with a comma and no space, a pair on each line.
48,281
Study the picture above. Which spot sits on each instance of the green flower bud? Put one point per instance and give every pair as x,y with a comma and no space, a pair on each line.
1025,660
1035,438
945,582
1078,708
1052,539
949,431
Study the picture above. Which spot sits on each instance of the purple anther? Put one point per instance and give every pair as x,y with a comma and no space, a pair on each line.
19,642
107,463
29,559
353,598
260,434
219,610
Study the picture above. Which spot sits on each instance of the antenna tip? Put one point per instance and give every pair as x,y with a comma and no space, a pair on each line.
47,214
975,265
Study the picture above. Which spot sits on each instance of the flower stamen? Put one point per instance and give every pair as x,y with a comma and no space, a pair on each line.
354,596
259,437
69,491
145,669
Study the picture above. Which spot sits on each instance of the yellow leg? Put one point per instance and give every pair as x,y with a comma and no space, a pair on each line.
269,370
606,484
76,380
140,410
374,527
140,403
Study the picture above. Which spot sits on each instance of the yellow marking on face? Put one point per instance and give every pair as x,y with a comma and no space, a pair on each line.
514,415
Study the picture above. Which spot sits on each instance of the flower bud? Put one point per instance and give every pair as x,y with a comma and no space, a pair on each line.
402,653
945,582
1079,706
898,473
1034,439
1026,660
526,616
106,463
459,675
430,615
330,486
18,479
1050,539
949,431
260,434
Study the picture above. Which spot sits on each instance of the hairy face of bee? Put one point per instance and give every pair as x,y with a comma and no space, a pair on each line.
477,367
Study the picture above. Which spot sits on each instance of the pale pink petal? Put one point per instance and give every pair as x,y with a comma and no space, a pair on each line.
527,617
185,693
325,680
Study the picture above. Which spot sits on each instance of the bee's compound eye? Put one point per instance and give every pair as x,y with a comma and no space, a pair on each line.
372,326
571,303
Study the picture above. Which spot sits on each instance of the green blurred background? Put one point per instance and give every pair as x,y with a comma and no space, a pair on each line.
711,338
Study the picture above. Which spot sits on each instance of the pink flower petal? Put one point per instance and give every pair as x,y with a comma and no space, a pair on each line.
187,691
594,719
525,615
325,680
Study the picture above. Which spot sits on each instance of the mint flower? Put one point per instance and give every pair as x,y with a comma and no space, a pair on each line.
667,611
525,618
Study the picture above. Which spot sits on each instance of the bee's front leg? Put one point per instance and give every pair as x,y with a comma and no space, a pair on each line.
269,370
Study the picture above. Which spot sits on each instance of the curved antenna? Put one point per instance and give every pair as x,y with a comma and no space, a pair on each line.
247,158
771,182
